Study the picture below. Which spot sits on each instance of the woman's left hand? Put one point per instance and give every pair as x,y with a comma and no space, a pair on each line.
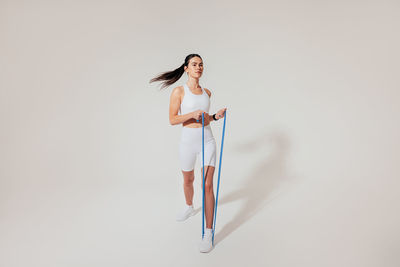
220,113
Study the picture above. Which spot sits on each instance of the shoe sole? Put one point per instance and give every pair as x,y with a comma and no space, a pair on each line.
205,251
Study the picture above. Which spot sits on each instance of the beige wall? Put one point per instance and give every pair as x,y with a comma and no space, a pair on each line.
89,172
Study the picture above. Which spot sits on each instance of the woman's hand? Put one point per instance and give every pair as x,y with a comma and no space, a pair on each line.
197,116
220,114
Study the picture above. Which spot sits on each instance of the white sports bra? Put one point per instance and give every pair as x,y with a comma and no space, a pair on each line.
192,102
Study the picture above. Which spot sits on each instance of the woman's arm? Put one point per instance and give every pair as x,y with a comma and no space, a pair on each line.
219,114
210,117
174,105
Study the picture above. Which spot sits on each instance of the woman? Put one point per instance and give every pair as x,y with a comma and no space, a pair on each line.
187,104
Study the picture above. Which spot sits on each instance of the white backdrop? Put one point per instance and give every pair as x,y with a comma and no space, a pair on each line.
89,171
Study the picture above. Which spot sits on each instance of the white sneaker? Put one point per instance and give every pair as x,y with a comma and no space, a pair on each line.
205,244
185,213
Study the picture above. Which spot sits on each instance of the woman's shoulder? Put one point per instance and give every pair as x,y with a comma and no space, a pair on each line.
179,90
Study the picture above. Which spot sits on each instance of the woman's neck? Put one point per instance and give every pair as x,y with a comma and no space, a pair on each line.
193,83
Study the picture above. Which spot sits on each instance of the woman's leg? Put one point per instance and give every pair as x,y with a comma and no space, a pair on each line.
209,194
188,178
187,158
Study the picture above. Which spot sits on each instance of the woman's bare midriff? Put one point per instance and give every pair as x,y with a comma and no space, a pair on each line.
192,123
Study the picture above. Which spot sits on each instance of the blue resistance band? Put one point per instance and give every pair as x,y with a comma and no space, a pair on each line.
219,175
202,120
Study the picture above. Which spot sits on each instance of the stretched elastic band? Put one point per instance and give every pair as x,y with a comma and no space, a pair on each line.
219,175
202,120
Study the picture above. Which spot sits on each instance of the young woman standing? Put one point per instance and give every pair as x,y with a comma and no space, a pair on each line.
187,104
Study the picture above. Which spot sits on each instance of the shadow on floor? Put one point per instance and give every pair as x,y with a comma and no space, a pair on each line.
264,179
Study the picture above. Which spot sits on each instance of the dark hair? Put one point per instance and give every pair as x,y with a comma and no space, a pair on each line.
170,77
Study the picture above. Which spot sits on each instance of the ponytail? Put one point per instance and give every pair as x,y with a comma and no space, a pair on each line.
170,77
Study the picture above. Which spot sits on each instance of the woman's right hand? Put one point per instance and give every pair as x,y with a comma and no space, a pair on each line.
197,114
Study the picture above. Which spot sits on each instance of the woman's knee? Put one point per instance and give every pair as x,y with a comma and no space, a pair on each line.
188,181
209,186
188,177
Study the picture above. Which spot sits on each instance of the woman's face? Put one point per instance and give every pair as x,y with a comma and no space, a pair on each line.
195,67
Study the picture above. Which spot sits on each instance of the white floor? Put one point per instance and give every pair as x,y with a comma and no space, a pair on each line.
267,216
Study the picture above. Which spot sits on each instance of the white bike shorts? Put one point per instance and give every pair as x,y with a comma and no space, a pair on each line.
190,147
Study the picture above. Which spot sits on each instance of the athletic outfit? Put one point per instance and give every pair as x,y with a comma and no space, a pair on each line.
190,144
190,147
